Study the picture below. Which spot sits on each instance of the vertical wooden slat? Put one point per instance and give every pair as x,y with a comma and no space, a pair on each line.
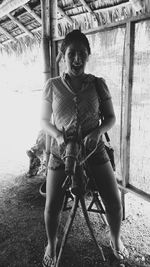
129,54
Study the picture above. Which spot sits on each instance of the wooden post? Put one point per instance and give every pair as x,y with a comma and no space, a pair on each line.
129,53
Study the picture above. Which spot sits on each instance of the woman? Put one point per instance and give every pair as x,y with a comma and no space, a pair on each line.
72,100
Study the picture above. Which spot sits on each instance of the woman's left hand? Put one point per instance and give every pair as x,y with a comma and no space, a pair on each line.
92,138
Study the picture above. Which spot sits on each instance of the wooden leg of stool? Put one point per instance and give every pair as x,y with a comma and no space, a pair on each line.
82,201
100,207
67,228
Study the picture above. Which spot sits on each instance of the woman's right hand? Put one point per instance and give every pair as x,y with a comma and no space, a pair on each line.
60,139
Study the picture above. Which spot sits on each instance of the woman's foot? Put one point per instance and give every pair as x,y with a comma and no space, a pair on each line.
49,259
119,252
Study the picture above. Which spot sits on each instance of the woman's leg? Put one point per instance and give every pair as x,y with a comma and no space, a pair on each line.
108,189
53,206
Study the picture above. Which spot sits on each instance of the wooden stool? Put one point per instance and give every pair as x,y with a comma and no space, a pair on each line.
79,199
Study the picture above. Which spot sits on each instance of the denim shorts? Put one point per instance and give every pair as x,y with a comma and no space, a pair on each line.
99,157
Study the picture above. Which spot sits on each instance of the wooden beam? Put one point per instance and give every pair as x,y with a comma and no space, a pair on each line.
32,13
7,34
20,25
64,15
9,5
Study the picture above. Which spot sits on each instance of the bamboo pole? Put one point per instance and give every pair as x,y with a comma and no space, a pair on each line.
53,29
46,59
45,41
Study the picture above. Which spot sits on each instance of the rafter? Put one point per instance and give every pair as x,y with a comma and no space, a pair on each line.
87,7
2,46
32,13
9,5
22,35
7,34
20,25
64,15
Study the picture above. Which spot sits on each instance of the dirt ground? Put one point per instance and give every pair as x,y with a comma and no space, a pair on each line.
23,238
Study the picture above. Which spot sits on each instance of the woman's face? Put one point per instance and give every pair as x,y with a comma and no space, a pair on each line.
76,57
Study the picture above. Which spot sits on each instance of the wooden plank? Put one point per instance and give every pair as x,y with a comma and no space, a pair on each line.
9,5
20,25
132,189
32,13
7,34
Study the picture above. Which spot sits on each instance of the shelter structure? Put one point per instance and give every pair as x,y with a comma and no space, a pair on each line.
119,33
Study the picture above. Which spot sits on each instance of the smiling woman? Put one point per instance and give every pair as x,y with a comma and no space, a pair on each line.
74,103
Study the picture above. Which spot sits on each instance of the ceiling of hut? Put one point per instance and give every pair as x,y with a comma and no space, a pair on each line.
20,18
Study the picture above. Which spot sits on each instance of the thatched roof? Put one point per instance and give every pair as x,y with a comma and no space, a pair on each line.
20,18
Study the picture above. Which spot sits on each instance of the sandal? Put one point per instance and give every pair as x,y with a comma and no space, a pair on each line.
120,254
48,261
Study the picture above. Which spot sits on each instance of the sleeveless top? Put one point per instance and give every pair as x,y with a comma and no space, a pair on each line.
71,109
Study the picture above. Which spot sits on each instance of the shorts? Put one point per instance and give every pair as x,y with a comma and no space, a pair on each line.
99,157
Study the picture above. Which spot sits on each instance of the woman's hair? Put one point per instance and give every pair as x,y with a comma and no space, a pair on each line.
74,36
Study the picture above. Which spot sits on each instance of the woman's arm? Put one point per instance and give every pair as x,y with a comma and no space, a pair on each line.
108,121
46,124
109,117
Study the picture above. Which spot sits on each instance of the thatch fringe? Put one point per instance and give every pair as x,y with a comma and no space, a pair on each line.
104,16
23,45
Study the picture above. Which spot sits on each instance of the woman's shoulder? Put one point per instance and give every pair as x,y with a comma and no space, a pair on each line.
102,88
48,88
92,78
53,80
